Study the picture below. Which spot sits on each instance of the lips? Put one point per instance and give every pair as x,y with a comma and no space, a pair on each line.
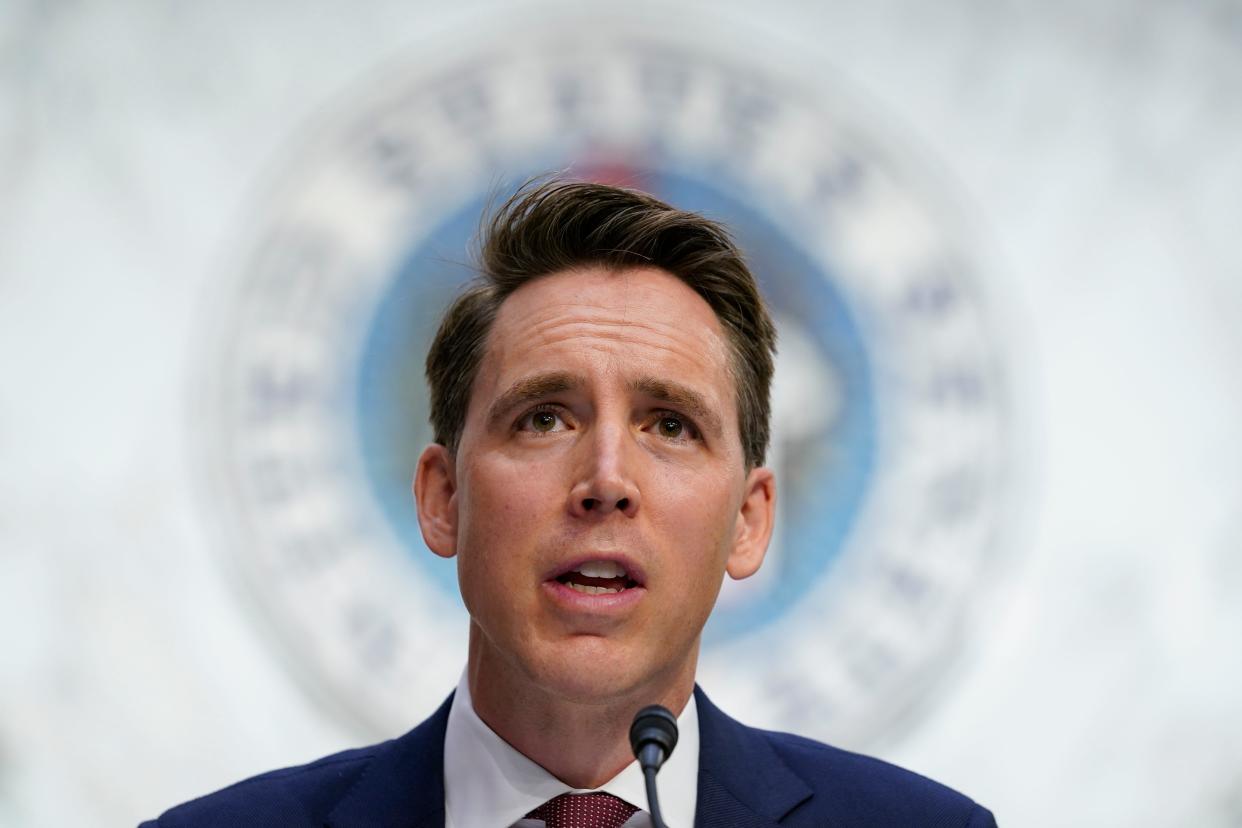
604,575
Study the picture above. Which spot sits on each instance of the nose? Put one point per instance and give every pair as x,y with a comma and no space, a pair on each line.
606,482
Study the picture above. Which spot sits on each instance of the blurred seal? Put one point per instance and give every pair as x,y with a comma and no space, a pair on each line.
890,433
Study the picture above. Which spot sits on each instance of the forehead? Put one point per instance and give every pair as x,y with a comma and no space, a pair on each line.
609,323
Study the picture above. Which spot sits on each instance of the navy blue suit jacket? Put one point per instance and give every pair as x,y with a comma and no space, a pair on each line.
748,778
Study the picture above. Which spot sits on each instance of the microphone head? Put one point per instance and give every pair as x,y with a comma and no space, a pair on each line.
654,727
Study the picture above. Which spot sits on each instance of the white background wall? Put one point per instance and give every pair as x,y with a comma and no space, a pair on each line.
1099,147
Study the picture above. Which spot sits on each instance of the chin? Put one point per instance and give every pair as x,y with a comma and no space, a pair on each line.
590,673
590,687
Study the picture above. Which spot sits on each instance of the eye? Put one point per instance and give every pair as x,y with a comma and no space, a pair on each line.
541,421
670,427
674,427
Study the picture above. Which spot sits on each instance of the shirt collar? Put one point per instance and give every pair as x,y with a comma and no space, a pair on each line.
488,782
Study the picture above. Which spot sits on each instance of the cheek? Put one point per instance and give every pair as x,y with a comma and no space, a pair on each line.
698,519
703,488
501,507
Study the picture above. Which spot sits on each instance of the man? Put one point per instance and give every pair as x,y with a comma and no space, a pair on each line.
600,405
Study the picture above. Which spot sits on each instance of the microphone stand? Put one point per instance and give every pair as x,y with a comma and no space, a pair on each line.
653,801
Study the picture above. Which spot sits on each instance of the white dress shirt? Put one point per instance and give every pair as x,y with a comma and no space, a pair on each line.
489,784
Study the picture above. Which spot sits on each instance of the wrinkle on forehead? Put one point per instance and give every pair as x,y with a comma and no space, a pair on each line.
619,306
632,305
605,335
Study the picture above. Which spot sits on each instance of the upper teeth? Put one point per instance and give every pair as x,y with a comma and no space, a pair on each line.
601,569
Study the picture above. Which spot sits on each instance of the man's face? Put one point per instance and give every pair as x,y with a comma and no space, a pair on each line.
599,491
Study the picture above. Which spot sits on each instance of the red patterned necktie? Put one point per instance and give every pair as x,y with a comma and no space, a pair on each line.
589,810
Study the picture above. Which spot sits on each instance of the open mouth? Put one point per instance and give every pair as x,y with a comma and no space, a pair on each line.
598,578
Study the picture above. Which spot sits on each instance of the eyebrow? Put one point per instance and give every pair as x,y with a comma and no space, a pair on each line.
682,398
530,389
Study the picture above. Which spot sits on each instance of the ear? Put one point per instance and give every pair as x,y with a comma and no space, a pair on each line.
435,494
754,524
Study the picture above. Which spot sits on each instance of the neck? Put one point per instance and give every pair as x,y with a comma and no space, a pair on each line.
581,739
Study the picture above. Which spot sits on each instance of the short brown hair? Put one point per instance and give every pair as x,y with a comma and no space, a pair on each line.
552,226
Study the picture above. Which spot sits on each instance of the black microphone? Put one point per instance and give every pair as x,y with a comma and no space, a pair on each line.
653,737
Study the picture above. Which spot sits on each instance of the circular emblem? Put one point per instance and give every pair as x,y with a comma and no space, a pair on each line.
889,434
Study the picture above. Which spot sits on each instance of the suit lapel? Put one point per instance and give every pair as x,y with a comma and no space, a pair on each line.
742,781
403,786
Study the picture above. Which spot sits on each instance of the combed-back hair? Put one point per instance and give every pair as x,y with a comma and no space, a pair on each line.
550,226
